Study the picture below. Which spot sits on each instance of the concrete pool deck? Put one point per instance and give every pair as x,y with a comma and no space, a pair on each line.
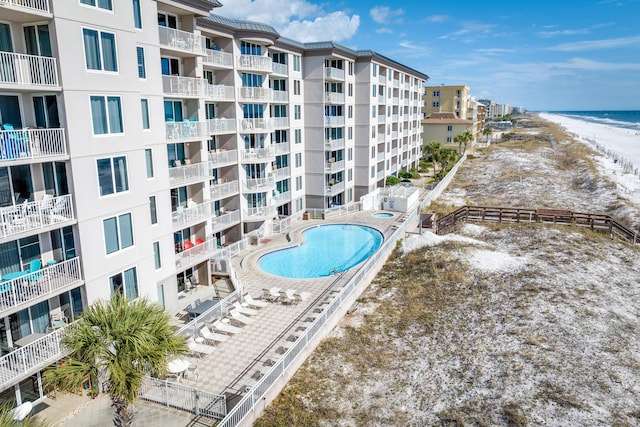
238,363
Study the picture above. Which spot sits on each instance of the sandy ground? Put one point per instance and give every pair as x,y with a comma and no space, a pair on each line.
539,325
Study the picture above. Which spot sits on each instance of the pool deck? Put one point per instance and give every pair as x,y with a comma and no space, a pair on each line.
238,363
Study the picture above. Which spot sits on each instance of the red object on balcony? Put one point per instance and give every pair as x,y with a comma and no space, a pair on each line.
188,244
199,241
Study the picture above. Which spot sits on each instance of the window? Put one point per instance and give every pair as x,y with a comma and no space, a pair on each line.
152,209
144,105
374,70
449,128
298,136
167,20
137,17
350,154
298,183
112,175
296,87
350,89
279,57
373,171
298,205
373,131
106,114
297,112
350,175
298,160
435,104
296,63
373,152
118,233
142,73
350,132
100,50
373,111
373,90
448,139
125,283
350,68
350,112
156,255
148,157
102,4
436,93
247,48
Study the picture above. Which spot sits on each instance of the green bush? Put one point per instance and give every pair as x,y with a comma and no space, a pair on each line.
392,180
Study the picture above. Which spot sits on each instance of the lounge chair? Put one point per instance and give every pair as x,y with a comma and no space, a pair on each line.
212,337
225,327
271,294
303,295
244,310
254,302
284,298
198,349
241,318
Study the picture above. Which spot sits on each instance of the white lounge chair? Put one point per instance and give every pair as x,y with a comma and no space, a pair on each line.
303,295
254,302
212,337
198,349
225,327
244,310
271,295
284,298
241,317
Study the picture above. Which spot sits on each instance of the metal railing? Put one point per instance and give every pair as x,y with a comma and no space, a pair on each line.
183,86
183,40
37,5
279,68
334,166
343,209
186,130
32,144
198,213
333,189
255,63
333,120
246,93
31,216
180,396
49,280
225,221
260,212
183,175
221,158
282,173
218,58
334,73
281,147
219,92
279,95
335,144
222,125
282,198
257,155
209,249
254,185
265,125
334,97
279,369
279,226
222,190
27,70
280,122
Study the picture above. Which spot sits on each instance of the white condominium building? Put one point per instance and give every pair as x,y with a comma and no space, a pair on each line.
140,139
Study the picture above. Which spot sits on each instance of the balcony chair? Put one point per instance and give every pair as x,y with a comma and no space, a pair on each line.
35,268
16,142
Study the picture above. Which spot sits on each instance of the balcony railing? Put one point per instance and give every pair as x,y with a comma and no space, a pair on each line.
30,216
279,95
26,361
334,73
226,189
184,175
197,254
334,98
35,5
280,122
183,86
255,63
382,79
219,92
223,158
186,130
381,118
262,212
32,144
333,189
279,68
380,174
281,147
334,166
254,94
198,213
258,185
282,198
181,40
265,125
22,290
27,70
281,173
257,155
334,120
225,221
216,58
380,156
334,144
218,126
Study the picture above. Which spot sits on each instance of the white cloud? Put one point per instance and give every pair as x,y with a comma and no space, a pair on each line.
494,51
383,14
563,32
436,19
384,31
336,26
596,44
476,29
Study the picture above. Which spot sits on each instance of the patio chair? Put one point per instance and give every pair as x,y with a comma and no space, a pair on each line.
244,310
192,372
212,337
302,295
221,326
284,298
271,295
241,318
198,302
59,210
35,267
254,302
198,349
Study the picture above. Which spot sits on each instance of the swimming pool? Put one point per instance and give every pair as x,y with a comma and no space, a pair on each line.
383,215
325,250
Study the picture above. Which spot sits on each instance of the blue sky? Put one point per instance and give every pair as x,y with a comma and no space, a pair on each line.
543,55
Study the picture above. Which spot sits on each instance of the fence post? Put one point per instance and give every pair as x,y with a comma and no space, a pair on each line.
166,392
197,396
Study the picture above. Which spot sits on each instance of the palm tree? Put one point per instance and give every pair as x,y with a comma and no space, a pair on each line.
486,132
116,343
6,419
463,138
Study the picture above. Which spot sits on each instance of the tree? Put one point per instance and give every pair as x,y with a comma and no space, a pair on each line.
486,132
117,343
463,138
392,180
6,419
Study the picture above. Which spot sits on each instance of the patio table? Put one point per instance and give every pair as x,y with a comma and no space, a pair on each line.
204,306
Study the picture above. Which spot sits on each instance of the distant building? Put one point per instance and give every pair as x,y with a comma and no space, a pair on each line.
446,99
444,127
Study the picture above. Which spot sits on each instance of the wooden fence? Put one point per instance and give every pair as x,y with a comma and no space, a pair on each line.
595,222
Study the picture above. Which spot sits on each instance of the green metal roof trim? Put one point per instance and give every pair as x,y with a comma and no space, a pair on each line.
237,24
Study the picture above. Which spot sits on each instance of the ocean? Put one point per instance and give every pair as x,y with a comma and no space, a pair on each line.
622,119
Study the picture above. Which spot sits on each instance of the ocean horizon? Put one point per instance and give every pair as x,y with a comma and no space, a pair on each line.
627,119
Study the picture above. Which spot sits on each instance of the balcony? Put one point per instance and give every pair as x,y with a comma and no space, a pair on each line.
380,156
280,96
219,93
280,122
257,63
280,69
257,155
334,120
225,221
217,59
260,125
282,198
32,144
185,175
281,148
185,87
394,151
260,213
334,144
221,158
253,94
382,79
334,189
332,167
394,118
186,216
31,71
220,126
29,217
380,136
281,173
380,174
186,130
334,98
381,99
25,361
381,118
22,291
333,73
181,41
258,185
223,190
394,134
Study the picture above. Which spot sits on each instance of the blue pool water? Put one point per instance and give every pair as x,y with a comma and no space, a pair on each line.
325,248
383,215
